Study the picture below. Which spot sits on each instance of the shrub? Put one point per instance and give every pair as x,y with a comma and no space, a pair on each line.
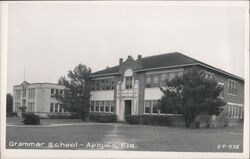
64,116
149,119
31,119
102,117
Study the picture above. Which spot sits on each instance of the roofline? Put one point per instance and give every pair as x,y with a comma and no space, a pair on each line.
221,71
40,83
176,66
159,68
106,74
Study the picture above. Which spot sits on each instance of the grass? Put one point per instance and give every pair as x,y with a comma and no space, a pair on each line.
141,138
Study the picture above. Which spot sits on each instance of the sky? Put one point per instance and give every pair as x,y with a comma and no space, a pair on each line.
49,39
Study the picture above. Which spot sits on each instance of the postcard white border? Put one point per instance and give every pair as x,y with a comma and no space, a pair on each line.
26,154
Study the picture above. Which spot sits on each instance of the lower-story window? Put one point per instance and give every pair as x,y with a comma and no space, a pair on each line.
31,106
235,111
106,106
112,106
92,106
56,108
60,108
101,106
150,107
147,106
51,107
97,106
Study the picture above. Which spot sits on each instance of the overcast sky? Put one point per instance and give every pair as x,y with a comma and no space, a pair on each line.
50,39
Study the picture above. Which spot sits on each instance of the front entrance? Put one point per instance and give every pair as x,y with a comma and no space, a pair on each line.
128,104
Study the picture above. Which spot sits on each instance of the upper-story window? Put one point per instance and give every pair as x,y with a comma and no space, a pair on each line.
24,93
171,75
232,87
164,77
209,75
128,82
160,79
54,92
156,80
105,84
32,93
148,81
222,92
17,94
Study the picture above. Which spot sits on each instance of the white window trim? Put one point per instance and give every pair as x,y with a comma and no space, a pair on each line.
219,83
229,87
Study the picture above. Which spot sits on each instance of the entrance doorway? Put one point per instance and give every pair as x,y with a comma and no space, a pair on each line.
128,105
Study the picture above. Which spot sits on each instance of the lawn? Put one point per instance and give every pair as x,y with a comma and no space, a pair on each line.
120,136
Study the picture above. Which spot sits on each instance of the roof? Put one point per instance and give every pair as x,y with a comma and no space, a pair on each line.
41,83
167,60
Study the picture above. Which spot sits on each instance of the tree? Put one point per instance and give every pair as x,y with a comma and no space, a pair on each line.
9,103
192,94
76,96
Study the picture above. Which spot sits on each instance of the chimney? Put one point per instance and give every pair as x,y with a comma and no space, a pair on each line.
120,61
139,58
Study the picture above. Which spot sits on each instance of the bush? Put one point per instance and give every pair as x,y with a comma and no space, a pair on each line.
149,119
63,116
31,119
102,117
11,114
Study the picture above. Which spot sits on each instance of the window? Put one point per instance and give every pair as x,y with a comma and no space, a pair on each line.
17,105
92,106
51,107
151,107
97,85
30,106
60,107
155,108
235,111
107,105
112,83
24,93
111,106
97,106
222,92
155,80
56,107
24,102
32,93
101,106
232,87
209,75
180,73
148,81
171,75
18,94
52,91
128,82
107,84
164,77
57,91
147,106
102,85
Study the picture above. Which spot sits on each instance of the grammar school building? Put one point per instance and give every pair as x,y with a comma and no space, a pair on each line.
133,86
38,98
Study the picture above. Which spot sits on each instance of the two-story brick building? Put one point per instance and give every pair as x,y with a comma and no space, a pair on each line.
132,87
38,98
